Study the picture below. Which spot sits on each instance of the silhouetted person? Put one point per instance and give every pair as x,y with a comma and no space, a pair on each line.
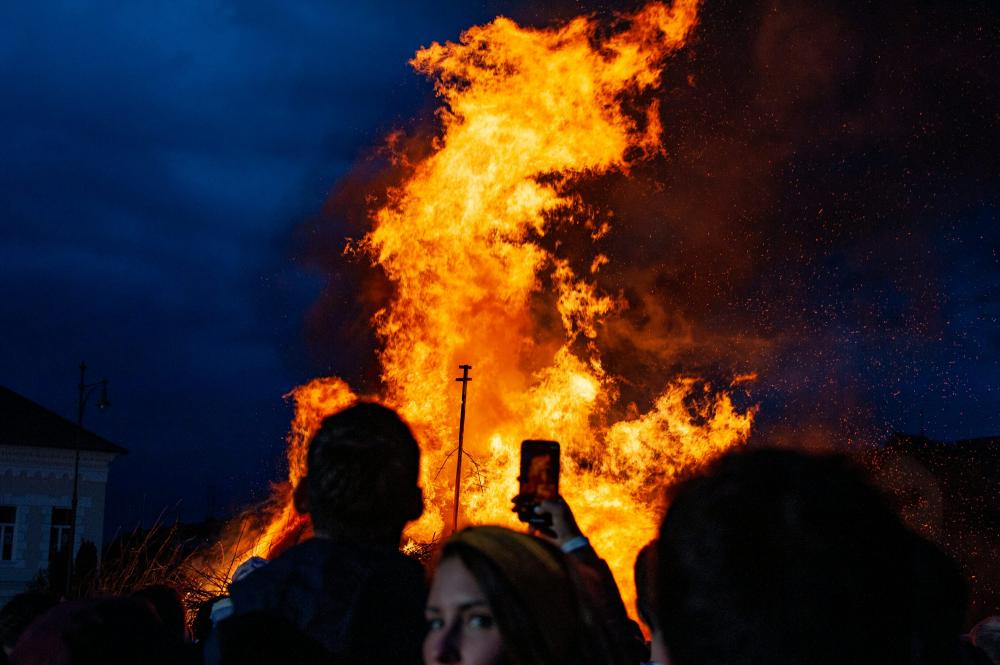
593,577
501,597
783,558
349,588
19,612
260,638
986,636
645,588
201,627
939,600
116,631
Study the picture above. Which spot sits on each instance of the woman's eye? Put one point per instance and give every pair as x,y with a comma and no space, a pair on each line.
435,623
480,621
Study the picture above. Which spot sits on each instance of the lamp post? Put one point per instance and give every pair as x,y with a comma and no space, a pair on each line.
84,391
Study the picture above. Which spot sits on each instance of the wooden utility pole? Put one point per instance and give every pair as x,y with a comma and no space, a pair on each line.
464,379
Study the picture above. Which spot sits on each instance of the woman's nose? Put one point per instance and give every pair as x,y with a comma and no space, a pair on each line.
448,650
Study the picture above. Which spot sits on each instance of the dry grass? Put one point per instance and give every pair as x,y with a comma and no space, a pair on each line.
159,555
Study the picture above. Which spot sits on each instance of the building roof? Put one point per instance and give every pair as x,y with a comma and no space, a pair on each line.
29,424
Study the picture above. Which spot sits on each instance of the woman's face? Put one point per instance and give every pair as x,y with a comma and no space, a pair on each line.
460,624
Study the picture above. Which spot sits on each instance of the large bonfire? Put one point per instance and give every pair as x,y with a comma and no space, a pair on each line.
525,113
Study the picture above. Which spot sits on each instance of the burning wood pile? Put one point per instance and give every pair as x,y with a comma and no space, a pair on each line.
465,241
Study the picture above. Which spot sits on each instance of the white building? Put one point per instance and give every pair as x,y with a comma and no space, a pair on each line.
36,488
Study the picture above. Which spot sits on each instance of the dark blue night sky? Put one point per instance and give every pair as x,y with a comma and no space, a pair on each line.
829,200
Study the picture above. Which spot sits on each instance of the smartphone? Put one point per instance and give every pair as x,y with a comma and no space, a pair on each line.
539,479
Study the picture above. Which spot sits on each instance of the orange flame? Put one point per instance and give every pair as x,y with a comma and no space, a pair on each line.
525,112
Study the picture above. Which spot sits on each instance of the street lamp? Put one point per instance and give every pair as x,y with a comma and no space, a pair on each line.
85,390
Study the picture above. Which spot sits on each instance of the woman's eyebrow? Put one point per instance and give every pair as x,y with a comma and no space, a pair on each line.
434,609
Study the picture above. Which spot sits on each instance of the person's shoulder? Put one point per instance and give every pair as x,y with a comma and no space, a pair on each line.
315,561
383,561
404,565
389,571
274,573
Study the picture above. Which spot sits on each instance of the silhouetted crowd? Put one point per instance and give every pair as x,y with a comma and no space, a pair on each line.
766,556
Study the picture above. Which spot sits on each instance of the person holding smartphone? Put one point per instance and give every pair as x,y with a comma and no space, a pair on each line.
549,517
502,596
593,573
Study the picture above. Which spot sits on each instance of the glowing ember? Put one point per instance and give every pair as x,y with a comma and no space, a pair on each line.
525,112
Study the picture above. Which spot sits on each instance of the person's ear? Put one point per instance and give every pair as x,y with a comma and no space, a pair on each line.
414,506
300,497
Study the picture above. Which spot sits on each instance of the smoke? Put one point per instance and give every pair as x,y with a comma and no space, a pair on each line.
818,161
823,162
338,326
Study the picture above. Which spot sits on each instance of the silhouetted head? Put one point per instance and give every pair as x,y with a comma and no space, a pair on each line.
986,636
262,638
18,613
361,482
784,558
115,631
